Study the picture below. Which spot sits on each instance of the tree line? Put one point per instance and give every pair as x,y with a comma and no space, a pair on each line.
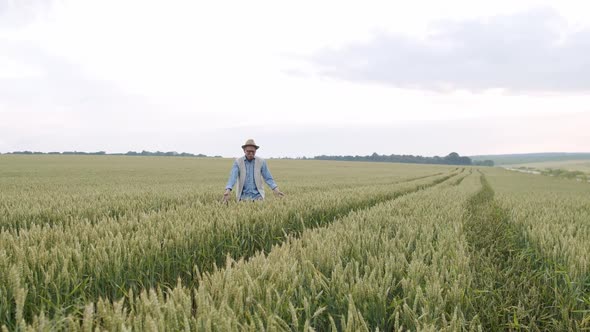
452,158
129,153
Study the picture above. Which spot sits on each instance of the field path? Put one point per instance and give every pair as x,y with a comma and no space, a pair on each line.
514,287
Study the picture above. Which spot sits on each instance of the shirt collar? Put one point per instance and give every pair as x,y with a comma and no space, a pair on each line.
246,159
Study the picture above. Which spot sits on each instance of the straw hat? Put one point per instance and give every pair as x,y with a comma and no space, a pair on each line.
250,142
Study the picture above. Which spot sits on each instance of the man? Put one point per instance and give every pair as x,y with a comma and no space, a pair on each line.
249,171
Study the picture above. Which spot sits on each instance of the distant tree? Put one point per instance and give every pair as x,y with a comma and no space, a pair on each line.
128,153
452,159
488,162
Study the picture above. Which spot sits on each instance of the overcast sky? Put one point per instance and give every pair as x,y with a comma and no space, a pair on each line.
302,78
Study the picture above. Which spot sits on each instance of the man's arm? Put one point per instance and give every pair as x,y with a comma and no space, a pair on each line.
268,177
269,180
233,177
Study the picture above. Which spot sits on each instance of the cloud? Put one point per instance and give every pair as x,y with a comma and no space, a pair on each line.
19,13
525,52
46,99
43,82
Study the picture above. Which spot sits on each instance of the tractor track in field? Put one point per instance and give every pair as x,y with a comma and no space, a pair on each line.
514,288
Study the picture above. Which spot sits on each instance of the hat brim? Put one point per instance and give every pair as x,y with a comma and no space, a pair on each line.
244,146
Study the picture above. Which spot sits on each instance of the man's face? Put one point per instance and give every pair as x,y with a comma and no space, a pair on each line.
249,151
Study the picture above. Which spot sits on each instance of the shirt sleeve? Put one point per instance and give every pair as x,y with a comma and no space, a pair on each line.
268,177
233,176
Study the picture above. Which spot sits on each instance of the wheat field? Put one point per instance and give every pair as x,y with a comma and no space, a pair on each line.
115,243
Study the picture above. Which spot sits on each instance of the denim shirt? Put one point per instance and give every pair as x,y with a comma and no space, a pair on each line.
250,191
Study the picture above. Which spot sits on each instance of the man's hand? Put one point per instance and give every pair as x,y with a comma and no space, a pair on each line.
225,198
277,192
